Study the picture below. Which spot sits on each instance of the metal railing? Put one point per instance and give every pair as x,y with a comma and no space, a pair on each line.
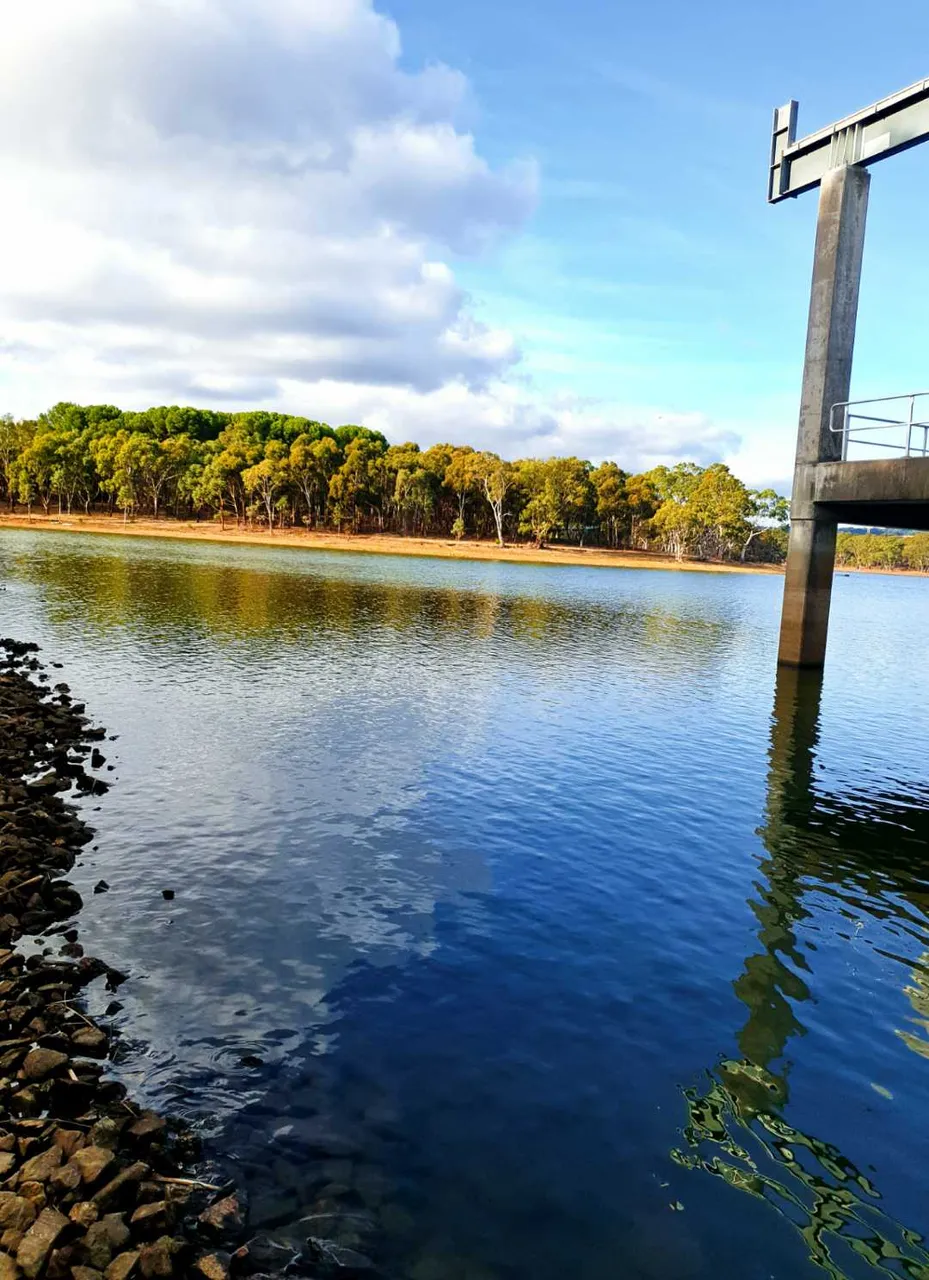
911,425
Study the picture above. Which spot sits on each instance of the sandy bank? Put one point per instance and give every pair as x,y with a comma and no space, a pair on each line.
378,544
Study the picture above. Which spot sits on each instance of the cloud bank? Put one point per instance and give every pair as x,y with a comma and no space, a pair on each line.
239,202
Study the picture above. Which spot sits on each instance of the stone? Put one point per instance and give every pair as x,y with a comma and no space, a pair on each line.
158,1259
69,1140
7,1162
16,1211
68,1178
7,1141
8,1268
38,1241
147,1126
215,1266
90,1041
121,1184
223,1217
59,1263
41,1167
41,1063
101,886
116,1230
86,1273
34,1191
11,1240
151,1217
105,1133
96,1247
91,1162
85,1213
122,1266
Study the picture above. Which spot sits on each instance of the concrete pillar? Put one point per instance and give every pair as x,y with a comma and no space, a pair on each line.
827,371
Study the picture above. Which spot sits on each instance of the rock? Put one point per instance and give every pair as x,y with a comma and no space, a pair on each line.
85,1213
90,1041
91,1162
325,1255
151,1217
16,1211
215,1266
101,886
11,1240
7,1142
122,1266
262,1253
147,1126
69,1140
67,1178
59,1263
41,1063
158,1259
167,894
96,1247
86,1273
38,1241
34,1191
105,1133
7,1162
224,1217
121,1184
116,1230
41,1167
8,1268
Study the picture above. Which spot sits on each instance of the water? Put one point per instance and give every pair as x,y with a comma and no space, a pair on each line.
552,943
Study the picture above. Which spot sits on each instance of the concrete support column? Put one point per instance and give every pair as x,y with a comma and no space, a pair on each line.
827,371
807,592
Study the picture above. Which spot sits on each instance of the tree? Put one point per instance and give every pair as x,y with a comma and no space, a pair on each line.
268,477
496,479
613,510
355,488
767,510
916,551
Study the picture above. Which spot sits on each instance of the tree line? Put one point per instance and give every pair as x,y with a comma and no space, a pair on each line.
883,551
281,470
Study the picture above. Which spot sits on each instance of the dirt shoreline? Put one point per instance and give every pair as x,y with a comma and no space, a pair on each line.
372,543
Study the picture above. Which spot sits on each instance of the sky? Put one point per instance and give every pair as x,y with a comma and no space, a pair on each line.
537,228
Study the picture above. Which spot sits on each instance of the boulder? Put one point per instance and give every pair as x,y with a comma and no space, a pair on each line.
158,1259
41,1063
39,1240
41,1167
122,1266
224,1218
16,1212
91,1162
90,1041
8,1268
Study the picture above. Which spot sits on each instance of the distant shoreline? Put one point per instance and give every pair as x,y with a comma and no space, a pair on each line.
372,543
391,544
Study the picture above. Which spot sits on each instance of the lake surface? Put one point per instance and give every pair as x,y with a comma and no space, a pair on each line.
520,930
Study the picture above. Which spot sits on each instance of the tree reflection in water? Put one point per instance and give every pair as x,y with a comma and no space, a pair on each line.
735,1129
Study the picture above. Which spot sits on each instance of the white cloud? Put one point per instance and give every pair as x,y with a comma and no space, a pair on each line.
251,202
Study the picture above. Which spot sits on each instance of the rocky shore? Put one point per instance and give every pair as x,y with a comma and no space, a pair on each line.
91,1187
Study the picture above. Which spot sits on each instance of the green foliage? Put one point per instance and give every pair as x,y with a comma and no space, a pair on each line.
284,468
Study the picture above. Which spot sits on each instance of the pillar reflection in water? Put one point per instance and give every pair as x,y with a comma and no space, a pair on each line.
735,1126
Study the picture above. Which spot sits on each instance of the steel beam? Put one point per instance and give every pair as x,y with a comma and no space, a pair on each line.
881,130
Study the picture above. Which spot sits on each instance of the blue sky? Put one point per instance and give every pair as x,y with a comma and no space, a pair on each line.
653,270
538,228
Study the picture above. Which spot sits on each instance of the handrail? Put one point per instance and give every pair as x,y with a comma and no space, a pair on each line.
910,445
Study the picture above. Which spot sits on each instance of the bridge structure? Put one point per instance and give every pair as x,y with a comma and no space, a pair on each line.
833,483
